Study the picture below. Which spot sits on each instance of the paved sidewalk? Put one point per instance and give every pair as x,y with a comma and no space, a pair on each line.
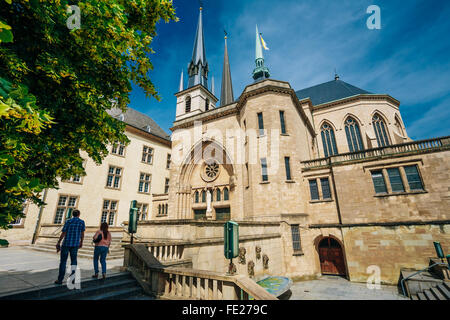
337,288
22,269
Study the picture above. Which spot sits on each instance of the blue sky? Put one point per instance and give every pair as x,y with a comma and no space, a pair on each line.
409,58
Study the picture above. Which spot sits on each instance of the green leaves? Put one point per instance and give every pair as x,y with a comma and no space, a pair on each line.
5,33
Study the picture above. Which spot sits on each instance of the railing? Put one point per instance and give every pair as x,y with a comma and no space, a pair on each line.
166,253
409,147
402,282
183,283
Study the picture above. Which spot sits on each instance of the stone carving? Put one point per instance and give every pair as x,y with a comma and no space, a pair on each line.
251,268
265,261
231,268
242,253
258,252
208,201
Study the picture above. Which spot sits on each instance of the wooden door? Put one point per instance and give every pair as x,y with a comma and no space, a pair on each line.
331,257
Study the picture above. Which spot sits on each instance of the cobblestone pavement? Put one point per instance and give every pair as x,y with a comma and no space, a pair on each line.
22,269
338,288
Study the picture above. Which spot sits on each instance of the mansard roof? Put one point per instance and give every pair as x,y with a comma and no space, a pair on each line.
139,120
329,91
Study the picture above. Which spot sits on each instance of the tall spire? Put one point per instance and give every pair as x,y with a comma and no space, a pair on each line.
198,67
181,82
226,92
260,72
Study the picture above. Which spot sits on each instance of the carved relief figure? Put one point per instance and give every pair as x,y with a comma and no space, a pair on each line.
242,253
258,252
265,261
251,268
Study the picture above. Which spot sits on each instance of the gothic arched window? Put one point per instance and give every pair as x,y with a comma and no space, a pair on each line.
196,196
188,104
328,140
159,209
218,194
203,196
398,125
167,208
353,135
380,130
225,194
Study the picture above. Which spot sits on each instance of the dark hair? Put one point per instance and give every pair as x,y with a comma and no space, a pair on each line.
76,213
104,228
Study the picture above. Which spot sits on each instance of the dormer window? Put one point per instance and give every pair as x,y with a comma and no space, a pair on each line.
188,104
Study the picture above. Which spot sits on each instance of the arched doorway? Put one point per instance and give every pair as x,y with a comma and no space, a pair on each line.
331,257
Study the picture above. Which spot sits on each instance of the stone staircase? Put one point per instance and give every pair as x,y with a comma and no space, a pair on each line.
48,244
426,286
120,286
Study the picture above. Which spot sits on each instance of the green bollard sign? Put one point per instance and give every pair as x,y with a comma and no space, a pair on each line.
231,240
132,223
439,251
69,213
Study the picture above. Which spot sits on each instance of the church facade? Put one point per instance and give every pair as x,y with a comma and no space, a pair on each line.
323,180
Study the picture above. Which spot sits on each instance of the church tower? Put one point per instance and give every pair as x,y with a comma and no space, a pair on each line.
261,72
196,98
226,92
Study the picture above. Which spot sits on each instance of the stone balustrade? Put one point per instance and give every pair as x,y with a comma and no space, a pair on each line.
423,146
166,252
185,283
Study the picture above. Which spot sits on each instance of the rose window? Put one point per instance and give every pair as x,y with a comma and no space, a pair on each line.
211,170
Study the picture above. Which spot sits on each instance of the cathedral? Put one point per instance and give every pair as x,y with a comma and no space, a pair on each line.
321,180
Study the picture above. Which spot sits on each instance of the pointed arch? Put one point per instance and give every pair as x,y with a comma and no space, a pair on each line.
399,125
187,104
328,139
353,134
380,128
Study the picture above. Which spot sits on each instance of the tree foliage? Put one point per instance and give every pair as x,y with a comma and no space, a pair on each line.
56,85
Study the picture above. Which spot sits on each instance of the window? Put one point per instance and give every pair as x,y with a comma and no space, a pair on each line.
166,186
264,169
326,192
398,125
378,182
380,130
413,177
396,180
142,211
20,219
168,161
218,194
353,135
188,104
167,208
147,155
118,148
260,124
206,104
196,199
144,182
203,196
296,244
114,177
313,189
226,195
75,179
65,202
282,122
288,168
247,177
109,211
328,140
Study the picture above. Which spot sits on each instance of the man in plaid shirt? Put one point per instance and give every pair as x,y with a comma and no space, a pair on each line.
73,235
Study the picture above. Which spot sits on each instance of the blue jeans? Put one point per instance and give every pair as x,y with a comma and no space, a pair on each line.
101,252
64,255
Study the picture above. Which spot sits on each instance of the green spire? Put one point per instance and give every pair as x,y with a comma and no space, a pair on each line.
260,72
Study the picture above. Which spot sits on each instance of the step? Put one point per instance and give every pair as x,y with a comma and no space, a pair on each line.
86,292
443,288
89,255
85,246
119,294
438,294
429,295
421,296
55,289
414,297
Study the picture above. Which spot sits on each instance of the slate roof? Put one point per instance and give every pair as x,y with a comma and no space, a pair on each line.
329,91
139,120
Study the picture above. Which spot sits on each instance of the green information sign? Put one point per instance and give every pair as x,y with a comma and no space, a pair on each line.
231,240
132,223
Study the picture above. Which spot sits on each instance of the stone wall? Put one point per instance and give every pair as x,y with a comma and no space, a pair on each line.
392,248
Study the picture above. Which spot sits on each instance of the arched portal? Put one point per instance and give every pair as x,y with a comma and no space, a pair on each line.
331,257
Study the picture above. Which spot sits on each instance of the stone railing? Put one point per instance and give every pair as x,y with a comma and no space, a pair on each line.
422,146
187,284
166,252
